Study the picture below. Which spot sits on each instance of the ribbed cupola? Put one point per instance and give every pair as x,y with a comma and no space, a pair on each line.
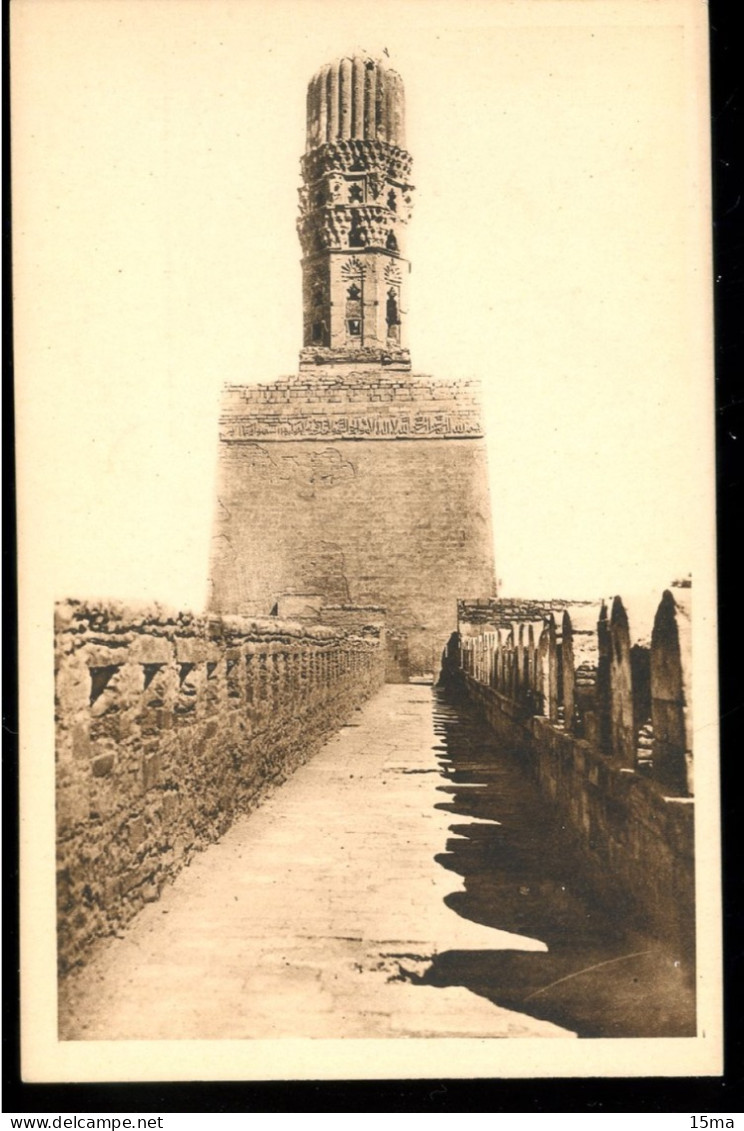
355,203
356,98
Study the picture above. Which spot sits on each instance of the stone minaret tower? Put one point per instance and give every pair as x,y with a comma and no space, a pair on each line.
355,204
355,485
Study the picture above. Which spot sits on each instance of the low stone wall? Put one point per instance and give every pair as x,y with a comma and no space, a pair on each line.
638,842
168,727
596,700
620,679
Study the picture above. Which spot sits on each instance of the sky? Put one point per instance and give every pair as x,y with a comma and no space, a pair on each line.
559,245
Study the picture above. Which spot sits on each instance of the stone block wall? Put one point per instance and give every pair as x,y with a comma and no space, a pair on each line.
613,753
168,727
375,488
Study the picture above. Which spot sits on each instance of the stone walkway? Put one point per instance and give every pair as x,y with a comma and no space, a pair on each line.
404,883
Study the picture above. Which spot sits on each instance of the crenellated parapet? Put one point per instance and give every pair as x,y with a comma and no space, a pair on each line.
598,669
597,703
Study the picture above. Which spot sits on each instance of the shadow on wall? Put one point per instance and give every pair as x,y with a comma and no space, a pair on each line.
522,874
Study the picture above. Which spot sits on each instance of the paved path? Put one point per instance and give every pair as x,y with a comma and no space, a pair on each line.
403,883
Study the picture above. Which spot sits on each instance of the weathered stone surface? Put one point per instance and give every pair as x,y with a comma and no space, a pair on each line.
172,749
622,736
151,771
568,673
671,692
103,765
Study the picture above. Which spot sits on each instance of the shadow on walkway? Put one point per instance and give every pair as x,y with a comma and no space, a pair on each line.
599,977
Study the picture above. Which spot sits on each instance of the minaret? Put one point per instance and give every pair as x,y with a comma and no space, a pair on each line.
355,203
355,485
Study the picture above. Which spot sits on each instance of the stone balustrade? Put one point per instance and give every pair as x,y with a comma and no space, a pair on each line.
171,725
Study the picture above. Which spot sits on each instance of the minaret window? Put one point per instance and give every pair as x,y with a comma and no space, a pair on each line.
317,331
354,311
392,201
356,193
391,243
392,315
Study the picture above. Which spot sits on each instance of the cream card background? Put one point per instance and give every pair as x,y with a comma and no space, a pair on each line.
561,252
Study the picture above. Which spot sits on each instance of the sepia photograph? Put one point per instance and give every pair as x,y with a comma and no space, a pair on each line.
366,511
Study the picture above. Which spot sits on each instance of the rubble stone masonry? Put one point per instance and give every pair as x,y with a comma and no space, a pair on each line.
168,727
